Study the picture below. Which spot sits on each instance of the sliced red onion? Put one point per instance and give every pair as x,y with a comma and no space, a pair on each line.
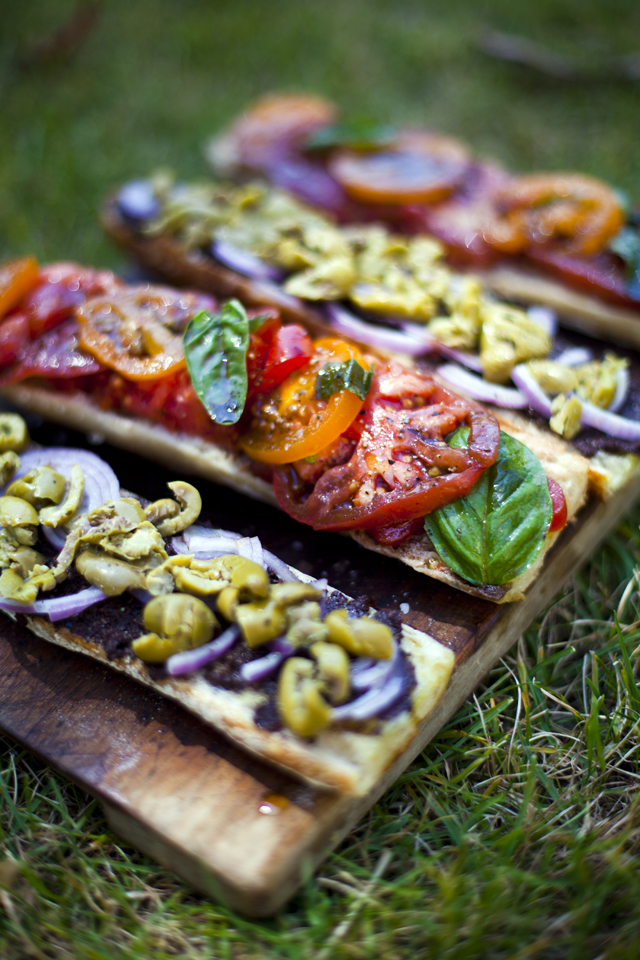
212,545
372,702
464,357
479,389
263,667
374,336
281,645
611,423
57,608
137,200
191,660
622,390
321,584
179,546
141,595
244,262
272,292
278,566
545,318
100,482
251,549
376,674
527,383
574,357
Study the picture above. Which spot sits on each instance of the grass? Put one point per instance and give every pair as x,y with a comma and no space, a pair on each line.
515,834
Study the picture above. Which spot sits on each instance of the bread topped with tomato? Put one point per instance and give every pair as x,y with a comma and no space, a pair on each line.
341,439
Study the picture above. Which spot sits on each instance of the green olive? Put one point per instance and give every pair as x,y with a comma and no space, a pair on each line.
228,603
16,512
260,621
188,581
363,637
153,649
250,579
288,594
300,703
333,669
111,574
13,587
184,619
9,466
61,513
41,487
13,433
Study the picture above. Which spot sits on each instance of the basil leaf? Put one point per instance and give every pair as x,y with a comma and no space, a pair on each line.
496,531
256,322
626,245
359,133
215,346
348,375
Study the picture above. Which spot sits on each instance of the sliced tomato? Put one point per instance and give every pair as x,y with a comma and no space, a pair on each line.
396,533
14,337
418,167
16,279
61,288
292,423
291,348
402,468
138,331
559,517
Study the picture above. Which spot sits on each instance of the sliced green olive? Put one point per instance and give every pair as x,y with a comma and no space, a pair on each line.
567,414
9,466
363,637
184,619
24,559
42,487
13,433
153,649
260,621
228,600
188,581
554,377
13,587
16,512
190,503
300,703
289,594
333,670
112,575
250,579
62,513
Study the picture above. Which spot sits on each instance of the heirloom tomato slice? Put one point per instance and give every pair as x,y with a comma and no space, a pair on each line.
417,167
291,423
16,279
138,331
402,467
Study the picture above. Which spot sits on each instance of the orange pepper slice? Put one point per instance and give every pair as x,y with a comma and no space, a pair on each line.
291,423
16,279
545,206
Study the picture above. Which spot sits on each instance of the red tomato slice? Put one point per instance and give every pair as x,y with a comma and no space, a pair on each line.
559,517
14,337
61,288
396,533
291,348
401,468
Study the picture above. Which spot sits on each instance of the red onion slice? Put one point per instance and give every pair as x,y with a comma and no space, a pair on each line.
373,336
100,482
464,357
373,702
479,389
137,200
611,423
574,357
278,566
57,608
256,670
622,390
527,383
545,318
251,549
271,292
192,660
244,262
376,674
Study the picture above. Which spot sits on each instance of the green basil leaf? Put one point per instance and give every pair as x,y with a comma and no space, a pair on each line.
359,133
256,322
348,375
215,346
494,533
626,245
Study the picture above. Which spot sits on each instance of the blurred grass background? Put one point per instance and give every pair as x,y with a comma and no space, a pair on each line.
515,835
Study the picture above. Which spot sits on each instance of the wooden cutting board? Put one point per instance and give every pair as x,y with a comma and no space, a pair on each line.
236,829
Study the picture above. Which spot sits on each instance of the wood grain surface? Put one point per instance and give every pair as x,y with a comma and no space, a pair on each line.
236,829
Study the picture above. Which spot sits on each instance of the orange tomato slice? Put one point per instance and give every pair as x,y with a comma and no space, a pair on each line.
419,167
137,332
16,279
291,423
